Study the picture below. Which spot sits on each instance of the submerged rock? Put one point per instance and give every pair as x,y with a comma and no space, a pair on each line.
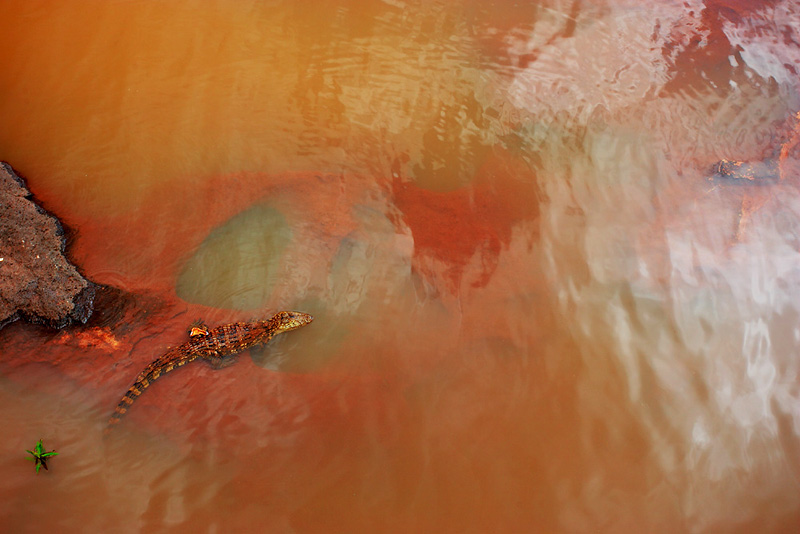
747,172
237,265
37,282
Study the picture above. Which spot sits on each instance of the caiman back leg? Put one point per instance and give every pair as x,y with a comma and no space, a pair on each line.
171,360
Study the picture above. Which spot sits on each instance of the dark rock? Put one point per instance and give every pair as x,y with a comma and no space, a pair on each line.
37,282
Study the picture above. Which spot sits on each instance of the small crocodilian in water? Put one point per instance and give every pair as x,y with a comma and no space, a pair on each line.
215,345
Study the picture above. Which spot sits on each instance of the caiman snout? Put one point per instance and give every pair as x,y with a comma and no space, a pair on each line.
289,320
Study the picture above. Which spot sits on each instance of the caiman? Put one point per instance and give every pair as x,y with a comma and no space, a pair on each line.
216,345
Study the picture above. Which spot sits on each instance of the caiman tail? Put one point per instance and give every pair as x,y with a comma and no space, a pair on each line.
173,359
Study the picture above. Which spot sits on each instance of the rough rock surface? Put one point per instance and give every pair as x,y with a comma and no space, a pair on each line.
37,282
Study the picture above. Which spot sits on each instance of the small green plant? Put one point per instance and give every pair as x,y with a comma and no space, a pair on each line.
40,456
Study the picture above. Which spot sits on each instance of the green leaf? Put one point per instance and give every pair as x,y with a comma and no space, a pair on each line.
39,455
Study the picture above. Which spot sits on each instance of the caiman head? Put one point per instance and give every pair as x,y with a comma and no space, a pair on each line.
289,320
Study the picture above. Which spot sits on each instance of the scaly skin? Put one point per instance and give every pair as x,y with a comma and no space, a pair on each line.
214,345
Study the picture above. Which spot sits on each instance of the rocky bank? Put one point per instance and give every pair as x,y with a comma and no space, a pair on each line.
37,282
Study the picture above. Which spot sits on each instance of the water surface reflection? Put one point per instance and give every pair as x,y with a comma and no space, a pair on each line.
535,309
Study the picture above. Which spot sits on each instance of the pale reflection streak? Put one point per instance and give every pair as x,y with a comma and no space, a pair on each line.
690,309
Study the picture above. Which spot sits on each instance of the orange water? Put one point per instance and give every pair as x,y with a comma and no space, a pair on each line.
535,312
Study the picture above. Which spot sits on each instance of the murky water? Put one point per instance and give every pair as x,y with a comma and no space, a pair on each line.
537,307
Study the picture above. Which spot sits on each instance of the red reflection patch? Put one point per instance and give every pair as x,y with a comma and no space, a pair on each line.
453,227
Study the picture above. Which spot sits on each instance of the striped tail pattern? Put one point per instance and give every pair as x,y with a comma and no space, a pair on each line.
173,359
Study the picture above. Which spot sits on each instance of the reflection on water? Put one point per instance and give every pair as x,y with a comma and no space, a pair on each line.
537,307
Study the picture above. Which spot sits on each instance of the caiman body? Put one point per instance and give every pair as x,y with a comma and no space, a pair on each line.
211,344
